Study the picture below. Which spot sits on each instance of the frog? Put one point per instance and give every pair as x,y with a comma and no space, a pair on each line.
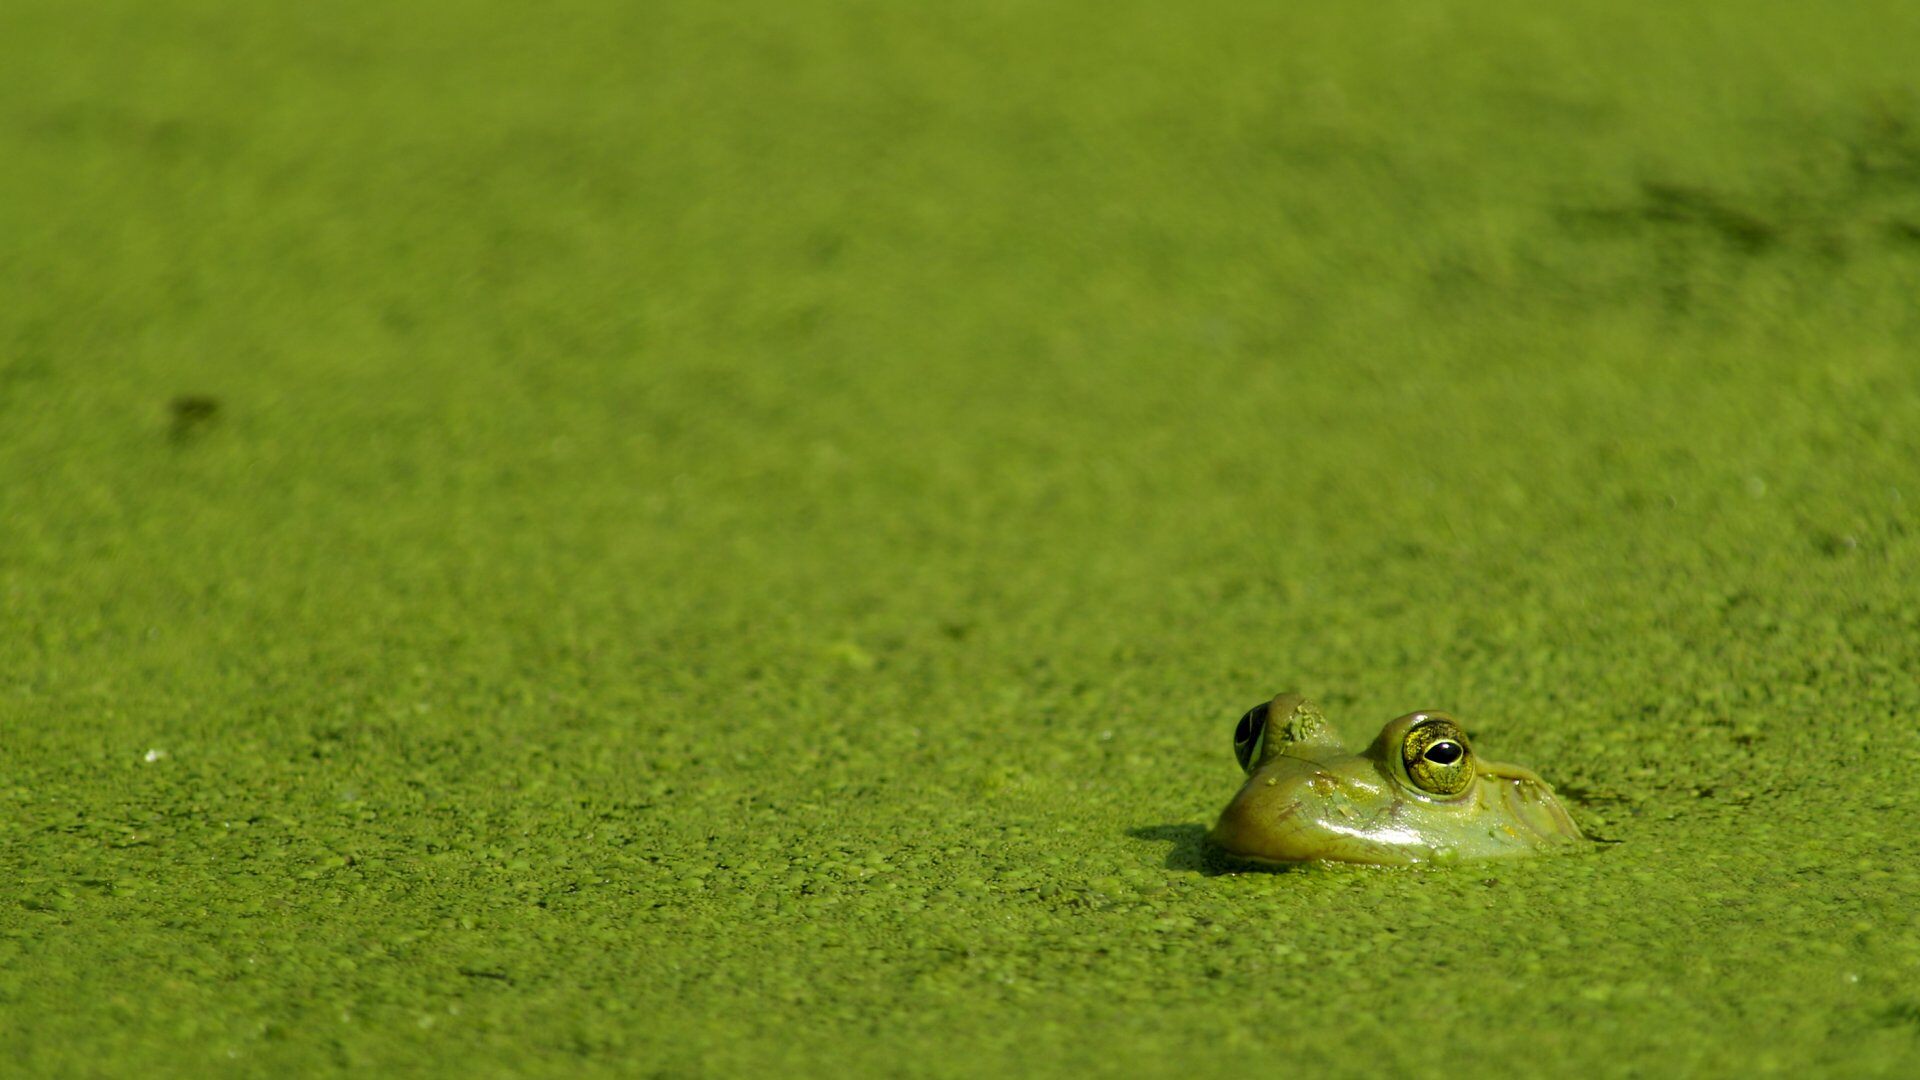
1418,795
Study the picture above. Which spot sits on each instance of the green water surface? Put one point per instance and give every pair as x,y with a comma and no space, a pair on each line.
682,539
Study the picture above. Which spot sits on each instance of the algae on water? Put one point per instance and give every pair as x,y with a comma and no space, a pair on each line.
713,540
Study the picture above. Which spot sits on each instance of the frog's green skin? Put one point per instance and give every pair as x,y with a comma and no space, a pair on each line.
1308,798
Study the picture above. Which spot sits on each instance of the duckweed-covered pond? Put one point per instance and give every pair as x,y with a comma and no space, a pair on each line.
692,540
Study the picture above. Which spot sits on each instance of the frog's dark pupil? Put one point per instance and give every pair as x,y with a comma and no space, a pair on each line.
1443,753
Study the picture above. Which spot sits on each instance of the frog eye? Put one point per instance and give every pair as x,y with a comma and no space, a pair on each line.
1249,734
1437,757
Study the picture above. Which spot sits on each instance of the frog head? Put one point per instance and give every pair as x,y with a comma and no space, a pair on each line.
1417,794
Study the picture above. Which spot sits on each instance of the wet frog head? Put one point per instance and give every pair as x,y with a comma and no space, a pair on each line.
1418,794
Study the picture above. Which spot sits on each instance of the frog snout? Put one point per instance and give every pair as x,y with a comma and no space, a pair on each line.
1270,819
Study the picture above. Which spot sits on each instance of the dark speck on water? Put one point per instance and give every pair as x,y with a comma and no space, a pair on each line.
191,415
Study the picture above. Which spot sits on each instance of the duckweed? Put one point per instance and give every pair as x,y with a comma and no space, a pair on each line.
727,540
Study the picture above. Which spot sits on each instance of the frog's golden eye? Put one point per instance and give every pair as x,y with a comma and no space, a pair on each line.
1437,757
1249,735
